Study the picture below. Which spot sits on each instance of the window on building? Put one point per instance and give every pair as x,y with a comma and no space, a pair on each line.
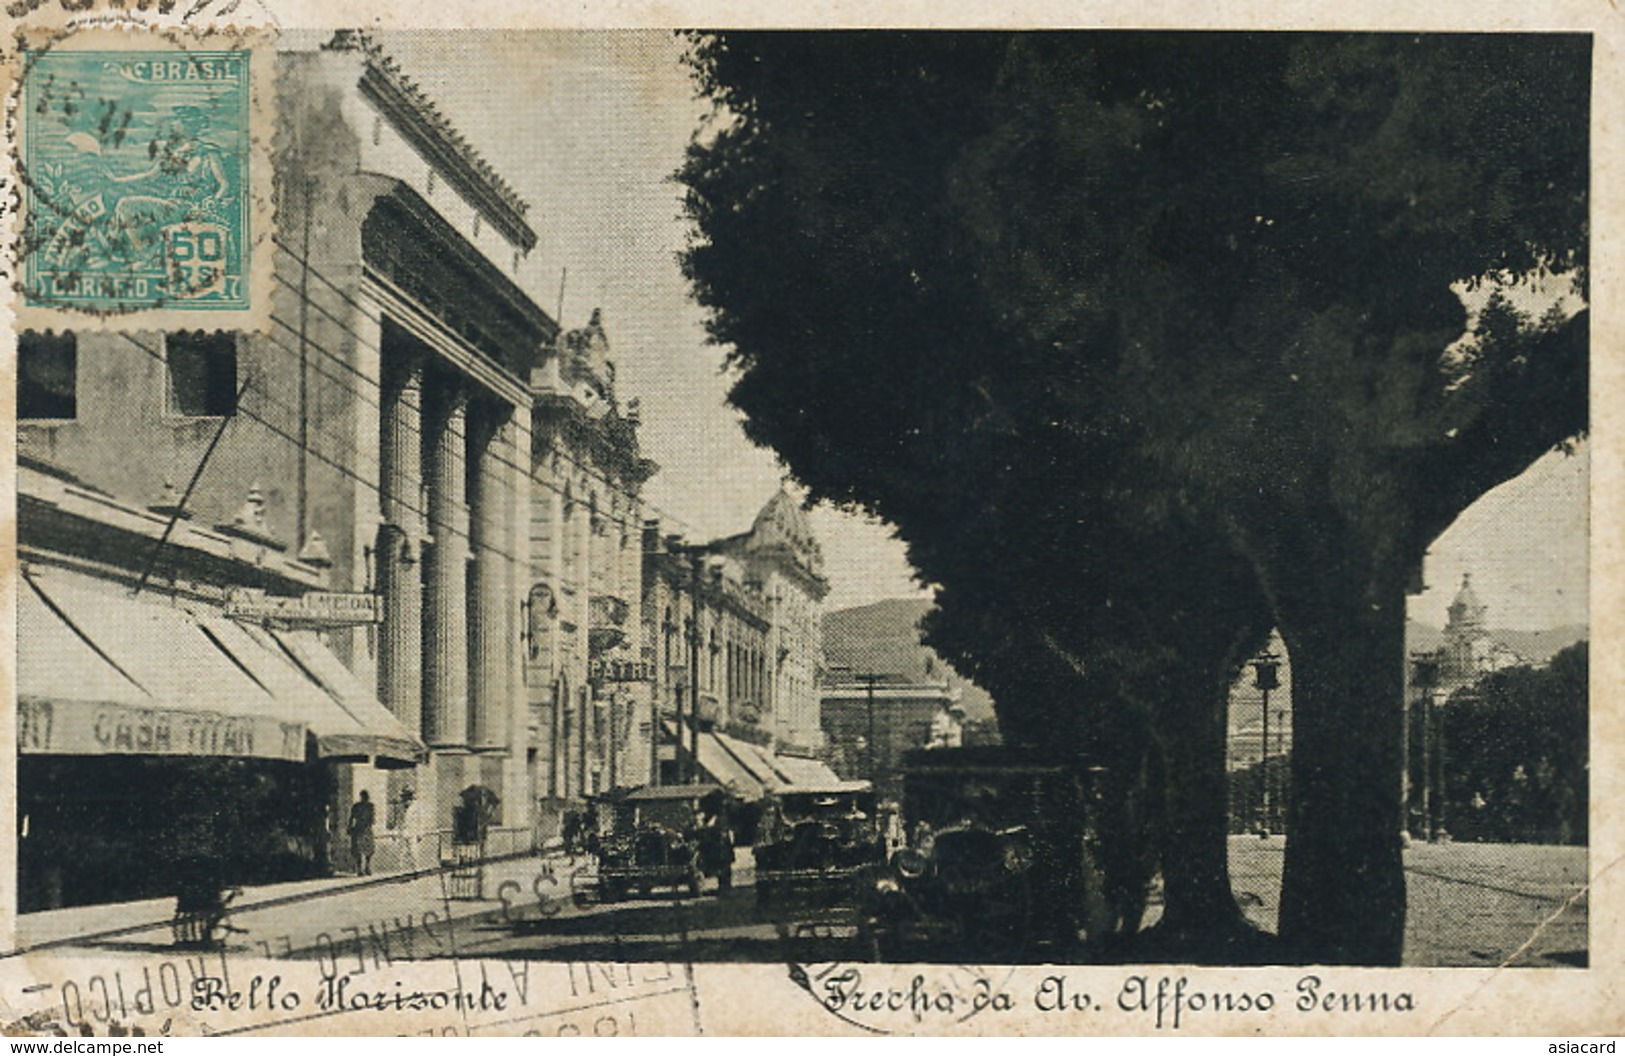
202,373
47,375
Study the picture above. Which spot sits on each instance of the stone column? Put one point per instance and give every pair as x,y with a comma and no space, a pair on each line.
515,712
445,636
490,514
355,560
400,644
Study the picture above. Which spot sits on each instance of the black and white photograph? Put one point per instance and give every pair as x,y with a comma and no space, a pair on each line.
981,529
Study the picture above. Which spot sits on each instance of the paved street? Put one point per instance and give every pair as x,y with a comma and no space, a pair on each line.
1473,905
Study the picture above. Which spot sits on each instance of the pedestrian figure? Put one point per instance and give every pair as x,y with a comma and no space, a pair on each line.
362,816
572,833
409,826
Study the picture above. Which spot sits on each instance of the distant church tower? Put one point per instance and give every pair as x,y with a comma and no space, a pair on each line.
1466,613
1464,630
1468,649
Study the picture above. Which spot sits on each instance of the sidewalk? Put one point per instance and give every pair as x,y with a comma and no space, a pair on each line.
288,918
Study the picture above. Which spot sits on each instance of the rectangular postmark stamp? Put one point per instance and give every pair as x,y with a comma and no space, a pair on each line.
145,177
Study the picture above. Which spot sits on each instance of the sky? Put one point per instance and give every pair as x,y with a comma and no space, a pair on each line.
589,126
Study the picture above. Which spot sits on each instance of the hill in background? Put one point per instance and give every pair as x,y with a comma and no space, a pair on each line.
1538,647
884,637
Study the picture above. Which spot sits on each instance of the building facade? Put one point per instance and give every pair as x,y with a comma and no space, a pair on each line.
406,301
871,719
380,436
589,689
1469,651
706,631
727,629
177,701
781,554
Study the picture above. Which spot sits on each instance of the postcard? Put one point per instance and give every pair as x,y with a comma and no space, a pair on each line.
696,519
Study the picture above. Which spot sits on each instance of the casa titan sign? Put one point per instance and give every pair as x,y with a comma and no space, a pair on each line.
620,671
317,608
47,727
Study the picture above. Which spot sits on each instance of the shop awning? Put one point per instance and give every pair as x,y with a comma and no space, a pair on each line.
720,764
752,770
810,773
726,768
760,760
377,732
103,672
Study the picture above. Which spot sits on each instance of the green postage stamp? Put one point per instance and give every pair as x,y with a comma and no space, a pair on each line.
139,164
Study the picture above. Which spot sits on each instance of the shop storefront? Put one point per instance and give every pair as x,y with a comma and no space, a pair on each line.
154,728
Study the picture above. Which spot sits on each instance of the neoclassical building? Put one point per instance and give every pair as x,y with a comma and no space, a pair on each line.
588,687
1469,652
781,553
732,637
382,450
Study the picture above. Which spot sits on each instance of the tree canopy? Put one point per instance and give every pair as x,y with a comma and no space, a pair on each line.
995,287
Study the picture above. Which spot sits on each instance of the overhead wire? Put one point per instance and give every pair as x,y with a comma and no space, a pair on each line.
371,383
363,393
436,525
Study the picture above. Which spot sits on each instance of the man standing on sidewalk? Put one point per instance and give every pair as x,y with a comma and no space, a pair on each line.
362,816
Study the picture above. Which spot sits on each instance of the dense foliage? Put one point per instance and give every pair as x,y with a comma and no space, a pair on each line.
1516,756
1086,313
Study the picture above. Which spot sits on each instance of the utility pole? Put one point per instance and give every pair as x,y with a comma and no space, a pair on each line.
868,678
667,629
1266,678
869,685
695,642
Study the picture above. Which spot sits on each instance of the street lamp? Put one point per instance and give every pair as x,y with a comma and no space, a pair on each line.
1266,668
1425,677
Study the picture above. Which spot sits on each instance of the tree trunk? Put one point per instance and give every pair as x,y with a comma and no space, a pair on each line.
1195,841
1343,886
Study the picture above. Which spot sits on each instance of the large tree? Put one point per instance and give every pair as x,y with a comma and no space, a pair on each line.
1235,261
1129,658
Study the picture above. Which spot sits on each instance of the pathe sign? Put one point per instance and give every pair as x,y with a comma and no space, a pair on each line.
620,671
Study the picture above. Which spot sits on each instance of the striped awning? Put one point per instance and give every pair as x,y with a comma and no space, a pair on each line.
104,672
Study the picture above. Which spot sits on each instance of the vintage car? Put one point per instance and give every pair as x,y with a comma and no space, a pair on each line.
662,836
1001,862
818,841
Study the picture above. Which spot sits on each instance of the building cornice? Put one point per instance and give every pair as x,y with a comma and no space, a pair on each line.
453,347
612,439
420,122
58,513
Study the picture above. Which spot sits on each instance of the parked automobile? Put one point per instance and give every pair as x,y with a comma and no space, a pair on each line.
1001,863
818,841
657,836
